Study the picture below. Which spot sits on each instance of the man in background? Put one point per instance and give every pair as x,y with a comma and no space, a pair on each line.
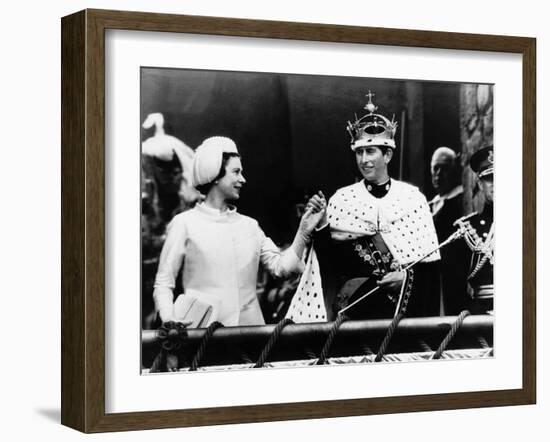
446,208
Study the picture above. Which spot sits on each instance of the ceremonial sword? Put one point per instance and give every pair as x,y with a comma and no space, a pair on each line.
459,233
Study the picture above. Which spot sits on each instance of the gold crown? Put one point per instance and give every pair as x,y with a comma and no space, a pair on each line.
372,129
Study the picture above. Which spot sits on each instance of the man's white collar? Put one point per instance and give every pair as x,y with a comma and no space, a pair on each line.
450,194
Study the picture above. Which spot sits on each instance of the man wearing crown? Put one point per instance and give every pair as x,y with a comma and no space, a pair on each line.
369,242
480,236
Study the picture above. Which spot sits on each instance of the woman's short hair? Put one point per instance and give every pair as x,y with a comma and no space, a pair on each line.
226,156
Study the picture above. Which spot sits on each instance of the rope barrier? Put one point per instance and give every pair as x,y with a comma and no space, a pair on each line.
171,348
386,342
332,333
271,342
406,291
202,346
454,328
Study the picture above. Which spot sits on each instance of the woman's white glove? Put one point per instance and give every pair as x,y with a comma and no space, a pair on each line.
318,203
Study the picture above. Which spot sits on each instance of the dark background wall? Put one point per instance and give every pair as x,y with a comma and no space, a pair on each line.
291,129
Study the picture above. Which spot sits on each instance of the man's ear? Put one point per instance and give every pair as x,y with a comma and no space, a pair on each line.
388,155
479,184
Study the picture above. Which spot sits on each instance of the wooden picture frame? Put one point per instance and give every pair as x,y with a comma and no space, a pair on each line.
83,220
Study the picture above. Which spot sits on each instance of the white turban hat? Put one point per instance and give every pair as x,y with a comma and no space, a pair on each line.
208,158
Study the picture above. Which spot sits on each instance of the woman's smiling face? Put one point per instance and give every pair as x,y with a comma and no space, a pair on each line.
231,183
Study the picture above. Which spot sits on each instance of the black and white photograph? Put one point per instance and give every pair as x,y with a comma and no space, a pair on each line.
292,220
272,221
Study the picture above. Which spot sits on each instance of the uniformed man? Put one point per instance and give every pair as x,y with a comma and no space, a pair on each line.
480,236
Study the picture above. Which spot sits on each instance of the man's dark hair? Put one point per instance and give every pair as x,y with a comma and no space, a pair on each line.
382,148
226,156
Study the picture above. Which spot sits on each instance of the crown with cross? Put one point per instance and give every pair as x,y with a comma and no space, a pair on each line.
372,129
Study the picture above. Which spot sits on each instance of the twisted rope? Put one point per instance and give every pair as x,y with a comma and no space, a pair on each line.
478,267
202,346
332,333
386,342
454,328
406,291
271,342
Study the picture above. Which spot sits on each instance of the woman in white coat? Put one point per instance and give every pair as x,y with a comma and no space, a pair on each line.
220,249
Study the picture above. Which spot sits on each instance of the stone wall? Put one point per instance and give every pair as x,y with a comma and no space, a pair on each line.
476,125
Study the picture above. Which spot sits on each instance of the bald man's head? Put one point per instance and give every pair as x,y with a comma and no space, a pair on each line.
444,169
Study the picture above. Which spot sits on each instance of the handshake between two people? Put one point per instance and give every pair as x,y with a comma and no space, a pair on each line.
315,215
